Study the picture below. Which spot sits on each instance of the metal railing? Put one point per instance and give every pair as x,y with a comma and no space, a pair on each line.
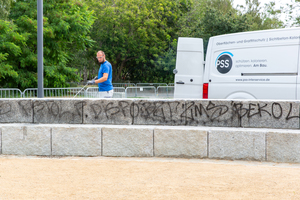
10,93
124,85
54,92
165,92
30,93
140,92
63,92
91,92
151,84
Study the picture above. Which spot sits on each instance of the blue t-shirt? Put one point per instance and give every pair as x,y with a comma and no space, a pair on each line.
106,85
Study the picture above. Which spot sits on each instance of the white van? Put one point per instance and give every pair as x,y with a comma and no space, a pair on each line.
249,65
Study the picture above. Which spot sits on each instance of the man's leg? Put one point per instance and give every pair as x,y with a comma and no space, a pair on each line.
106,94
109,94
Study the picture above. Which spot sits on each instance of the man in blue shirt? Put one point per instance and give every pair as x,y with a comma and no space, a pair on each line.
104,80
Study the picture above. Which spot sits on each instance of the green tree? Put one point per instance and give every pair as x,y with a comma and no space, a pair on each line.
158,69
191,23
4,8
262,17
212,17
297,17
10,42
133,32
66,27
164,64
292,10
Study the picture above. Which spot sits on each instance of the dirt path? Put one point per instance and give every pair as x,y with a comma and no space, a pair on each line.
145,178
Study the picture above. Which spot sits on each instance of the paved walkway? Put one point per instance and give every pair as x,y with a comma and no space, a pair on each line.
145,178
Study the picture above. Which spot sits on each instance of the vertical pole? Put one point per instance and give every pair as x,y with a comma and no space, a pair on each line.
40,48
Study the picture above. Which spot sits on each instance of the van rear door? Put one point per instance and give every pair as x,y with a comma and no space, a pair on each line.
189,68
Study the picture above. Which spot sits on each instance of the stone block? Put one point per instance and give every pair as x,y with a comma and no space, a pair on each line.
241,144
0,140
76,140
16,111
108,111
127,141
270,114
159,112
26,140
58,111
215,113
283,146
180,142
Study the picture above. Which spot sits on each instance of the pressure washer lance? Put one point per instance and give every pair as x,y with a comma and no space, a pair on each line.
83,87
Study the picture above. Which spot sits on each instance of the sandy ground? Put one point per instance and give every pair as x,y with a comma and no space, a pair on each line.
145,178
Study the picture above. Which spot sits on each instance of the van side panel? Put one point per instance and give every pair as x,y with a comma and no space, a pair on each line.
298,77
259,64
189,66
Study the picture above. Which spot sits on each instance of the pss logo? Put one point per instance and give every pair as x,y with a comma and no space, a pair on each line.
224,62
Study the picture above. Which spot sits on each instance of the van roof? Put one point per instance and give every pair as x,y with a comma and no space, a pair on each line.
259,31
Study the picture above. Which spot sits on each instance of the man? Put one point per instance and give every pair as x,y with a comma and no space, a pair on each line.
104,77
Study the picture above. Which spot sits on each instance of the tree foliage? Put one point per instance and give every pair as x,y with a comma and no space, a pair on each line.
293,10
10,50
4,8
212,17
132,32
66,27
260,16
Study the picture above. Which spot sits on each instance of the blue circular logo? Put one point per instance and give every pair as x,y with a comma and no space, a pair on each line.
224,62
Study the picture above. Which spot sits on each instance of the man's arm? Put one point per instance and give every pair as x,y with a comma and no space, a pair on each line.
102,79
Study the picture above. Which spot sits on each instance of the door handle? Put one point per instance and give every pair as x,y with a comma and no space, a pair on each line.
179,82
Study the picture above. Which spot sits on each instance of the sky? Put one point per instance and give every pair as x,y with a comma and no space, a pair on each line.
278,3
262,2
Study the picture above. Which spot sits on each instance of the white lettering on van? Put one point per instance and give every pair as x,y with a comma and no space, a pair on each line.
223,63
227,63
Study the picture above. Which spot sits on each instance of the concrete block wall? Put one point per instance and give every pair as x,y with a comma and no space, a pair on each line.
216,129
274,145
210,113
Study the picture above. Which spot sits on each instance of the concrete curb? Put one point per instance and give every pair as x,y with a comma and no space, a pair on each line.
272,145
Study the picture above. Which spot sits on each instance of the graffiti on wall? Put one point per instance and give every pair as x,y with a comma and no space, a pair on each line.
161,112
193,112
